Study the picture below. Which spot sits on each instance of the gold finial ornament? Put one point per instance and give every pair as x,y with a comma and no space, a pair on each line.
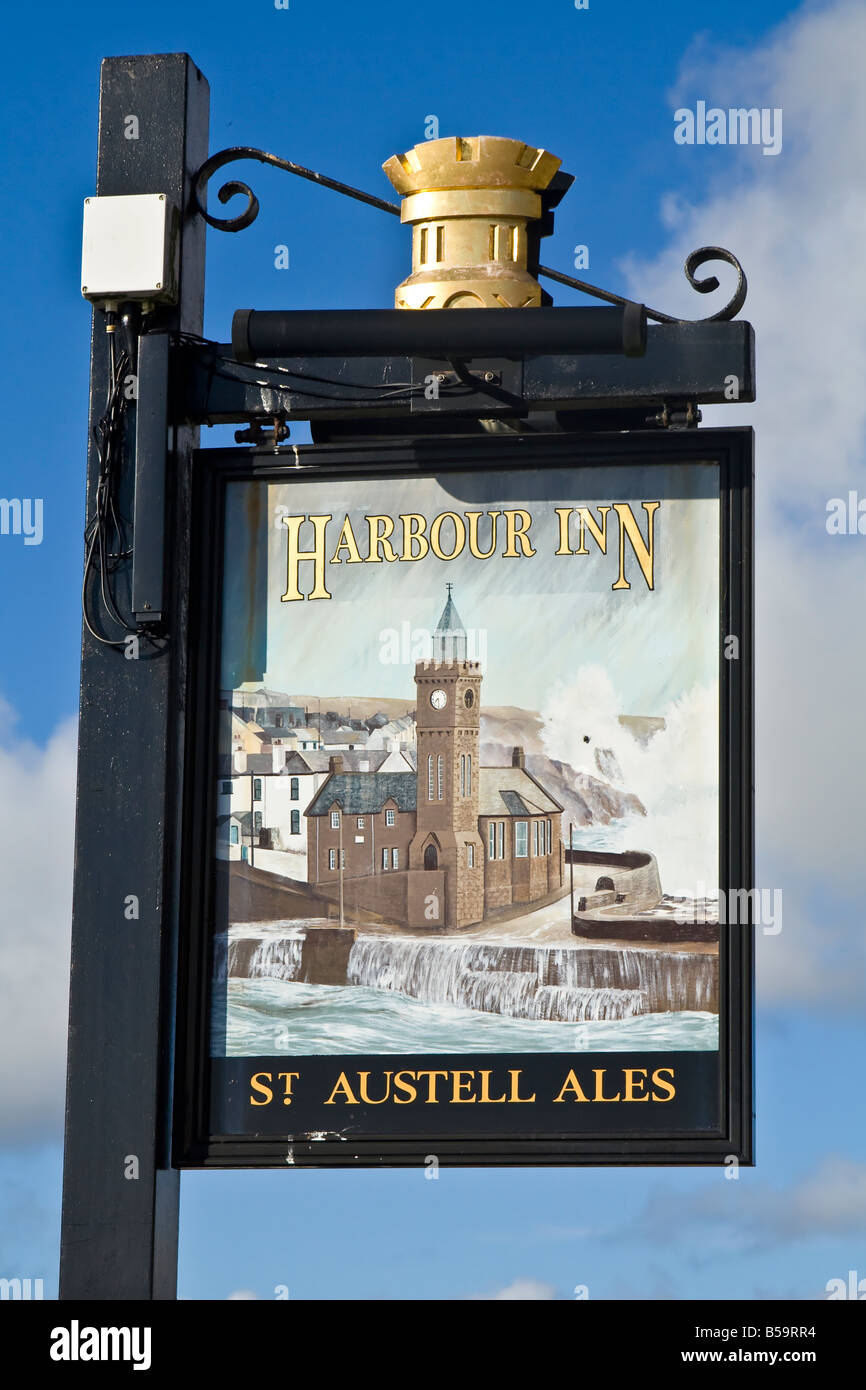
468,201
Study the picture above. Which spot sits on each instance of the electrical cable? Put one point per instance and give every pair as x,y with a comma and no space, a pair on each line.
106,534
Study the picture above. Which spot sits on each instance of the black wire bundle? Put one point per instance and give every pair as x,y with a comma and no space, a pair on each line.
220,365
105,536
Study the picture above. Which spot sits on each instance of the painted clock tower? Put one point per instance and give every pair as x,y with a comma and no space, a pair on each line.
448,719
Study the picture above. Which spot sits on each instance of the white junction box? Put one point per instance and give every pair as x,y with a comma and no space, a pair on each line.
130,248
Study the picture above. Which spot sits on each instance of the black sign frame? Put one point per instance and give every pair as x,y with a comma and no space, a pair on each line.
194,1145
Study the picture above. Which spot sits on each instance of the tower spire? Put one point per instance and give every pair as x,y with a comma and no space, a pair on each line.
449,638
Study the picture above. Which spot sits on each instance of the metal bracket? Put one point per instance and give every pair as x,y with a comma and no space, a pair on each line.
260,434
678,417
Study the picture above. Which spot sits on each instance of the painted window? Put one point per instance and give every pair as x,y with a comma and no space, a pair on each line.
360,822
470,856
233,835
491,840
335,820
549,836
294,789
257,789
257,820
332,859
226,788
440,773
535,829
521,839
462,774
384,859
395,859
468,774
390,817
296,822
430,778
502,839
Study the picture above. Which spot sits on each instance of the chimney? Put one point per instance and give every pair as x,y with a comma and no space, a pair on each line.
335,763
518,757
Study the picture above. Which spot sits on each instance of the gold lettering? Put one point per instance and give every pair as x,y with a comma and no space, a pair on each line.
563,513
459,1086
401,1085
263,1090
459,535
598,533
294,556
347,542
472,518
432,1098
345,1090
643,551
367,1099
379,539
630,1073
411,534
598,1072
486,1098
657,1081
517,524
514,1098
571,1084
288,1077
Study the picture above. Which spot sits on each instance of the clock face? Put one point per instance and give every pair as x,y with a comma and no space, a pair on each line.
438,699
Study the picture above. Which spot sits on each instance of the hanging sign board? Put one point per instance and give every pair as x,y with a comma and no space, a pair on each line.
469,834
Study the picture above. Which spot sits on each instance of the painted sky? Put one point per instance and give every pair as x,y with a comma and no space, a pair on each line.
326,84
543,616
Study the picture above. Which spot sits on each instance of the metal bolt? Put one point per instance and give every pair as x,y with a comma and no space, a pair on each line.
489,376
159,284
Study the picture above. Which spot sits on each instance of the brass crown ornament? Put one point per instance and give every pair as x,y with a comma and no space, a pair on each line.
468,201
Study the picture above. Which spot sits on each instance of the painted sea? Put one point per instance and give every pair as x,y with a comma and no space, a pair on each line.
282,1018
407,994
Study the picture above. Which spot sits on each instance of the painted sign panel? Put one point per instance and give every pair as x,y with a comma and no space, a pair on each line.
468,851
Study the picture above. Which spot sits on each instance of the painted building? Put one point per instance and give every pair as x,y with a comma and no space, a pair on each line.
465,840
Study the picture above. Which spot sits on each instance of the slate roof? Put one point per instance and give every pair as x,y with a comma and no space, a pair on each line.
258,763
365,793
319,761
512,791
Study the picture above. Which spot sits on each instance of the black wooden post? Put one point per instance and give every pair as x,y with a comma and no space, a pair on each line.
120,1197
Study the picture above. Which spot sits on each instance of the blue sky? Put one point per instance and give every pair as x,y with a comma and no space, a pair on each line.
340,87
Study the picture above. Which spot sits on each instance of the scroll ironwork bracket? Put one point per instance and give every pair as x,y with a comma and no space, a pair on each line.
694,260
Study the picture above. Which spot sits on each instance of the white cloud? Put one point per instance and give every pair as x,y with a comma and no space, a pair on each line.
741,1215
796,222
37,804
524,1290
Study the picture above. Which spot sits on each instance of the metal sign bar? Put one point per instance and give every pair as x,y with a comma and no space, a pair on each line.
708,363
